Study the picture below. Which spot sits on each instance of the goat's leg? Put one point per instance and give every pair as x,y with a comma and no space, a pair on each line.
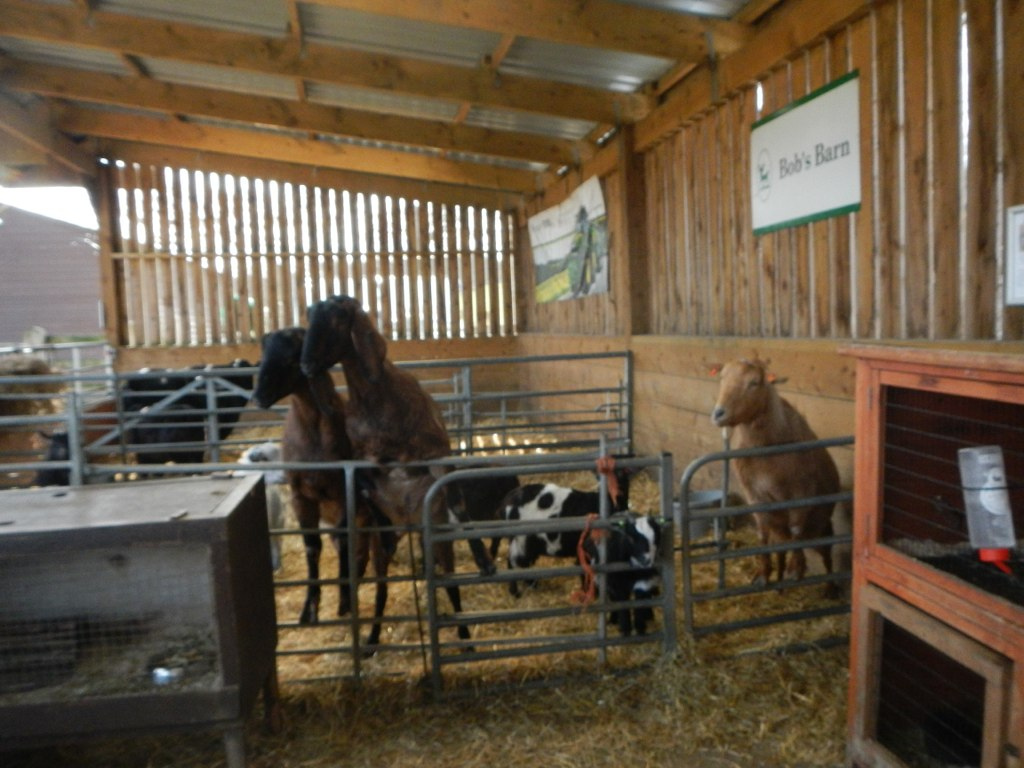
764,560
643,590
457,515
381,561
345,586
621,617
446,558
308,517
825,552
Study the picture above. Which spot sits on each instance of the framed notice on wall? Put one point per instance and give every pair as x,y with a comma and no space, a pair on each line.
1015,255
805,158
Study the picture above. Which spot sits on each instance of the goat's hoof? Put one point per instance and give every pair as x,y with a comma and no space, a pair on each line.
309,616
488,570
368,651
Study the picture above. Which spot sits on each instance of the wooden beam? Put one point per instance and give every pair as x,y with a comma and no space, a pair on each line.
321,63
595,23
263,168
795,25
291,149
116,90
32,126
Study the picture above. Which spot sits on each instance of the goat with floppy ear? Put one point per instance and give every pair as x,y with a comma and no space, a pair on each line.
751,406
315,431
391,420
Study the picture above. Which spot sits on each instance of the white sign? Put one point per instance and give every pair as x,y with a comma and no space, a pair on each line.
805,158
1015,255
570,246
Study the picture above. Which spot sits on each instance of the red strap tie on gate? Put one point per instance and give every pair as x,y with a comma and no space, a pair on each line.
587,593
606,466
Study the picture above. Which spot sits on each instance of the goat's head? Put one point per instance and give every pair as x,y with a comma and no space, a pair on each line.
340,331
642,535
279,372
743,392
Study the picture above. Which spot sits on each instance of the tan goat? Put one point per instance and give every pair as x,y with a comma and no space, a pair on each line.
749,404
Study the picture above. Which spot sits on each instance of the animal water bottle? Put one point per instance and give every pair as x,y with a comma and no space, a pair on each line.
986,497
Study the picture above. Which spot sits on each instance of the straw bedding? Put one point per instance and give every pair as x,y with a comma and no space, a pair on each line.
725,700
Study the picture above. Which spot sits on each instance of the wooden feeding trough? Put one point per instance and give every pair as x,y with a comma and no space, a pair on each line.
135,608
937,643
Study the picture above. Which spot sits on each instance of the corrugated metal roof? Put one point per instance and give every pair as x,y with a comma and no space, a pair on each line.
593,67
264,17
385,102
601,69
395,36
723,9
76,56
222,78
545,125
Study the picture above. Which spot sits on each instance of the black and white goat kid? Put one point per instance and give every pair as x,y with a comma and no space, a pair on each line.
542,502
632,540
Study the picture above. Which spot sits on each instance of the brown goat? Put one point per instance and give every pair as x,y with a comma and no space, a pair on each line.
749,403
390,419
315,430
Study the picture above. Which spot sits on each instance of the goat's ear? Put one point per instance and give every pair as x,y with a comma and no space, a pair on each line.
369,345
771,378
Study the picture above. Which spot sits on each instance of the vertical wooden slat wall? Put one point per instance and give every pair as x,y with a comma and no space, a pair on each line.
924,257
207,258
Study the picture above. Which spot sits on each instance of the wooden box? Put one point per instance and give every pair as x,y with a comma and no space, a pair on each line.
134,608
937,640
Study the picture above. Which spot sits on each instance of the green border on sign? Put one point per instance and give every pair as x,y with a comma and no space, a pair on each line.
853,208
809,97
808,219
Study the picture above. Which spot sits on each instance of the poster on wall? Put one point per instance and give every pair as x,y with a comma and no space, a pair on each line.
805,158
570,246
1015,256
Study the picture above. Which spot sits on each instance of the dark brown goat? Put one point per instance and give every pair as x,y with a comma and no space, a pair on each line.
390,419
315,430
749,403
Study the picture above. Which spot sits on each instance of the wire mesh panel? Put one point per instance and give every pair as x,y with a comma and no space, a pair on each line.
108,621
134,607
923,514
938,697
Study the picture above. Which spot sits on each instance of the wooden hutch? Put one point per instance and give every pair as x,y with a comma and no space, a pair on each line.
937,636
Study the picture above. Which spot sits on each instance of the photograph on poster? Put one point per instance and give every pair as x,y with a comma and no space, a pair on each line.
570,246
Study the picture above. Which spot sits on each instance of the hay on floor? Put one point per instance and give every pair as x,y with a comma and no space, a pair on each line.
724,700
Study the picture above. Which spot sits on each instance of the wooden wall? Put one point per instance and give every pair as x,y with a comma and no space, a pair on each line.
942,127
206,253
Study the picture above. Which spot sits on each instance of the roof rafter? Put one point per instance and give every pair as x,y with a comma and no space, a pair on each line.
291,149
286,56
146,94
28,126
598,23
